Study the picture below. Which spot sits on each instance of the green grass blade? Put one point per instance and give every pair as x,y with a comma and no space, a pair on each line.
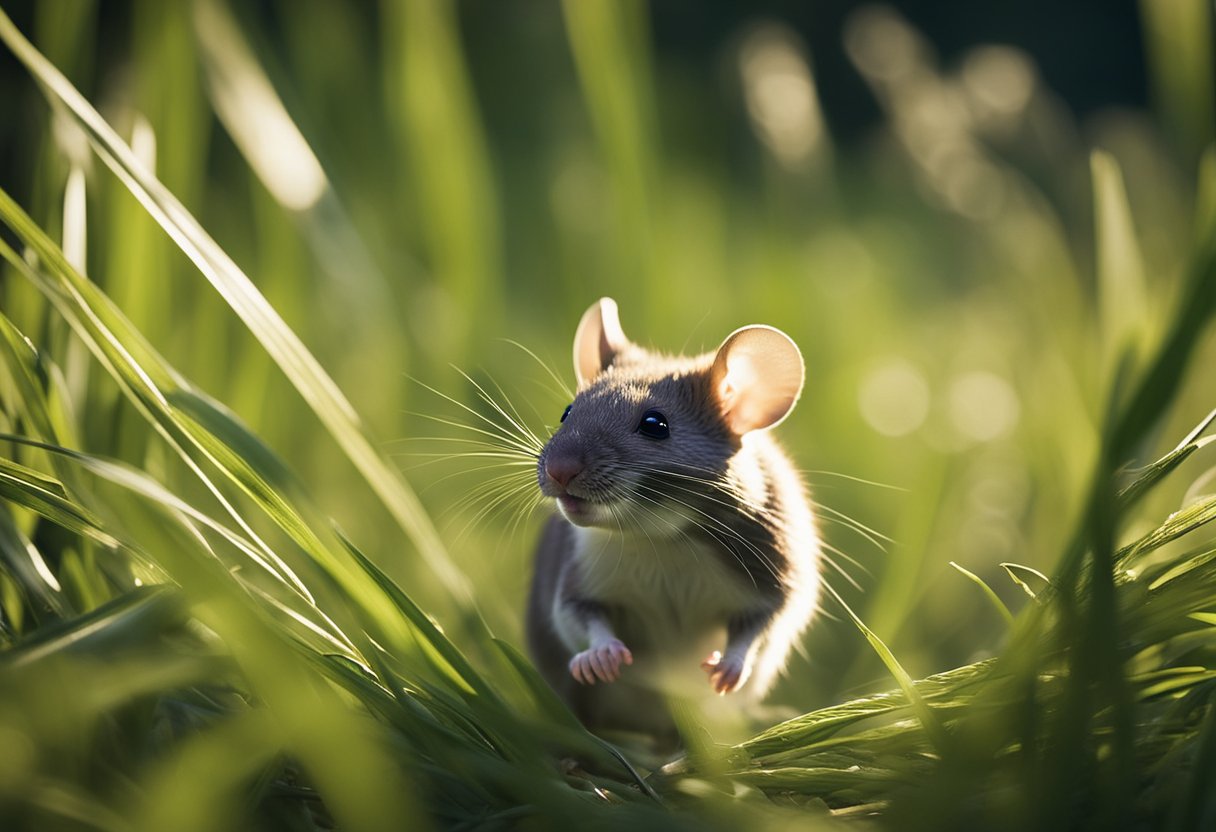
1122,295
46,497
441,134
139,611
1184,521
933,728
451,661
297,363
1153,473
200,432
992,597
1024,575
608,41
805,730
22,560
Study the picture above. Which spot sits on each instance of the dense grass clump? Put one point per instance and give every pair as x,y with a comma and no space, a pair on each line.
222,606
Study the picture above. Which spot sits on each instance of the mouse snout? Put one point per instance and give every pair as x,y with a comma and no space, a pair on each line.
560,470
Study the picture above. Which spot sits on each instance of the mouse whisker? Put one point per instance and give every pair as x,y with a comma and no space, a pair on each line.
517,429
678,531
500,439
861,480
438,459
764,558
461,441
512,475
525,442
484,491
497,501
731,500
865,531
519,419
657,517
562,387
713,481
826,556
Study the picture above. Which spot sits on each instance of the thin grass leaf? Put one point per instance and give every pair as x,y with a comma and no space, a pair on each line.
363,785
811,728
608,42
21,559
1170,681
1182,567
143,381
449,660
1122,296
1184,521
439,130
1153,473
139,483
297,363
153,386
992,597
1023,576
1197,807
933,729
139,611
46,497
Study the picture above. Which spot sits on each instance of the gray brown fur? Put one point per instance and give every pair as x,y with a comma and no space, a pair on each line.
704,538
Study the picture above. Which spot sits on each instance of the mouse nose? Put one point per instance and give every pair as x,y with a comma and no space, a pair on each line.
563,469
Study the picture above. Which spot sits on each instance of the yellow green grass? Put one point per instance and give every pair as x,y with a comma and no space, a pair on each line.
234,592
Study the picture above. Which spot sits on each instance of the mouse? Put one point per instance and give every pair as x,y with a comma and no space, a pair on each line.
682,561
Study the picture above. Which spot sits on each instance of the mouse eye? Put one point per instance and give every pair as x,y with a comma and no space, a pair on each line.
566,412
653,425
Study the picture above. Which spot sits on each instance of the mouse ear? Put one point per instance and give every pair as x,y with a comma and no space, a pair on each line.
757,376
598,340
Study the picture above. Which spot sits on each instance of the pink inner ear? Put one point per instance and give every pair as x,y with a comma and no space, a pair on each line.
760,379
598,339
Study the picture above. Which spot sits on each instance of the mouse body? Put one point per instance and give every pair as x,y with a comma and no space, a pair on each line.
683,559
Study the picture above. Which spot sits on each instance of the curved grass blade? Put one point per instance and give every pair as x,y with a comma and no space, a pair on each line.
198,430
140,610
20,558
45,496
1153,473
1023,575
138,483
933,728
1181,522
992,597
281,343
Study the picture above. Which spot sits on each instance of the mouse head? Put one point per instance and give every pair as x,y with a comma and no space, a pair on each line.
648,433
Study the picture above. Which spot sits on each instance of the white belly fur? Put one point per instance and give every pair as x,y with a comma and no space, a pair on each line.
676,595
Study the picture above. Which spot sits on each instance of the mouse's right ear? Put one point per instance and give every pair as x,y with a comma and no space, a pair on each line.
598,340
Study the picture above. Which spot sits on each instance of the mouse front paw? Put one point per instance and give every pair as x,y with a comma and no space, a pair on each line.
600,661
726,673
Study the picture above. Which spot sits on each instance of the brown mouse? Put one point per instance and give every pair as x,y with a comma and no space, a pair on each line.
684,545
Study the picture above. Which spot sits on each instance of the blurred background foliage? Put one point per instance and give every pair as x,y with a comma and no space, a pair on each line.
923,197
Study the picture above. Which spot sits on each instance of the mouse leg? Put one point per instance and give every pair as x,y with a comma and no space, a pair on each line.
728,671
605,653
581,621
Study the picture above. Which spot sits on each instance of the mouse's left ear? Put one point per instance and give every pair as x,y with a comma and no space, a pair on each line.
757,376
598,340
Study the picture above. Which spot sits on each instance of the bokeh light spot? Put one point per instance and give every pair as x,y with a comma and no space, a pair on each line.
894,398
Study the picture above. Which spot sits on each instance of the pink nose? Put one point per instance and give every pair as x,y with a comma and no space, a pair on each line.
562,470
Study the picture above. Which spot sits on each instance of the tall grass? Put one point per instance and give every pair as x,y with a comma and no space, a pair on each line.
190,640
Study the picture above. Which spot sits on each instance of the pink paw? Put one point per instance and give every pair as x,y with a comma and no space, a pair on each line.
601,661
725,674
